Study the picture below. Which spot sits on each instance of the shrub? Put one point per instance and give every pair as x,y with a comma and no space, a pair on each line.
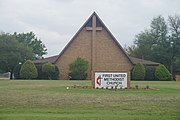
138,72
28,70
162,73
150,73
78,69
55,74
42,75
48,68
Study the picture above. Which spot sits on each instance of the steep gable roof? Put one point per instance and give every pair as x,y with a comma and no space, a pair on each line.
99,23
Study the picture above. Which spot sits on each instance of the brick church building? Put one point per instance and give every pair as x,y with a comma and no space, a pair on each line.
96,44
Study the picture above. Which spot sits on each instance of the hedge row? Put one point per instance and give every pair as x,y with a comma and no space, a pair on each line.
141,72
51,74
43,75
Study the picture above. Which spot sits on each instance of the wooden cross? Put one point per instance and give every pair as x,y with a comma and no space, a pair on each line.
93,46
94,28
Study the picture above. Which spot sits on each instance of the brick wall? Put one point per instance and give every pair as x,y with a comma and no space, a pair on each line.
79,47
177,77
108,55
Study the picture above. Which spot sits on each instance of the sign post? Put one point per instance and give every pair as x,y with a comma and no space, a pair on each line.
111,80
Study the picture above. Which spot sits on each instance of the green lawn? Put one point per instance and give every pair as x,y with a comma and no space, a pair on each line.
44,100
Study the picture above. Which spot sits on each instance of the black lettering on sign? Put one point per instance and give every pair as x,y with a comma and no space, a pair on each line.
119,75
107,75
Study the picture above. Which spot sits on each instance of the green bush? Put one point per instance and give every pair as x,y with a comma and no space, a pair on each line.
41,75
150,73
78,69
162,73
48,68
55,74
44,76
138,72
28,70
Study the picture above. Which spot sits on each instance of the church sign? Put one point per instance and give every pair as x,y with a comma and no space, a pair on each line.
111,80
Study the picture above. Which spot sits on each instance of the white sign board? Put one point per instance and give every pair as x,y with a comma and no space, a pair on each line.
110,79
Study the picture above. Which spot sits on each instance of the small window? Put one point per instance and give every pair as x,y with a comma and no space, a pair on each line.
89,23
98,22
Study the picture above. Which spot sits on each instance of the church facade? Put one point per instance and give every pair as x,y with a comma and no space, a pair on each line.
96,44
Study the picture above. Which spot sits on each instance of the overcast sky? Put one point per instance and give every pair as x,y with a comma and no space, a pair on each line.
55,22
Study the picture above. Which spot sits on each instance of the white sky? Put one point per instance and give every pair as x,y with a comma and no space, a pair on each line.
55,22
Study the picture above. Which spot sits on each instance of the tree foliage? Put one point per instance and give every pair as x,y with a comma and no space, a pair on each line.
160,43
78,69
12,53
28,70
30,39
48,68
17,71
162,73
138,72
17,48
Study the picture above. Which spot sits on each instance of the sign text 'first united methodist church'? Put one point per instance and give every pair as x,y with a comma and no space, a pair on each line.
110,79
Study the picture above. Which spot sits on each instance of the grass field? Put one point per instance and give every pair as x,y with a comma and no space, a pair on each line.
44,100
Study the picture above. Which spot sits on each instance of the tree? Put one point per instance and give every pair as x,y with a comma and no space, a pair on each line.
134,51
174,23
78,69
138,72
161,49
160,43
17,71
161,73
28,70
12,53
30,39
48,68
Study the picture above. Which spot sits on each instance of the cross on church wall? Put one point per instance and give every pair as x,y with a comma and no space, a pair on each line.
92,26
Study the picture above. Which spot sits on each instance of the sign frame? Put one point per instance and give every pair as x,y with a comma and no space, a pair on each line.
111,79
